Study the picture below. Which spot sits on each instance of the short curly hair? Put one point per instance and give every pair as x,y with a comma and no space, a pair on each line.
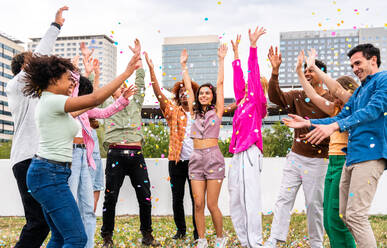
18,62
42,71
176,88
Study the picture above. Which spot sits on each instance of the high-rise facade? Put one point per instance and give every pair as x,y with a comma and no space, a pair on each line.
9,47
104,50
332,47
202,61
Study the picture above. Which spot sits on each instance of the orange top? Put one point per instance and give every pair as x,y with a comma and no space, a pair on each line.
338,140
177,122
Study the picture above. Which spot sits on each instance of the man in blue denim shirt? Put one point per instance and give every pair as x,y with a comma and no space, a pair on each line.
365,118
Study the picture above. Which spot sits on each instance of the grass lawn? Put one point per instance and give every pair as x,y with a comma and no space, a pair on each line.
127,232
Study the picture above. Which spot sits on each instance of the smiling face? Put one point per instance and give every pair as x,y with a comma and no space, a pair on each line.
205,96
311,76
65,84
361,66
183,96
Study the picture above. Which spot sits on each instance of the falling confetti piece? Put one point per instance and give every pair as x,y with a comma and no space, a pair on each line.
206,19
313,13
305,171
121,52
338,10
333,34
307,99
347,108
219,2
116,43
341,216
372,145
351,194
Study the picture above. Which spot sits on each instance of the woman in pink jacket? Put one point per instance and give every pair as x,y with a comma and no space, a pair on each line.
246,145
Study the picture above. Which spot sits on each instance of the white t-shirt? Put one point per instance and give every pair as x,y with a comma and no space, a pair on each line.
187,148
57,128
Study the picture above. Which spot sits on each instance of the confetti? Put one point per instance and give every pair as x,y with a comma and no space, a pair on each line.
219,2
307,99
206,19
372,145
351,194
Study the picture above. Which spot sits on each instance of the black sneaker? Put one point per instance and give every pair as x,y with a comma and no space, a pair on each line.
179,235
108,242
149,240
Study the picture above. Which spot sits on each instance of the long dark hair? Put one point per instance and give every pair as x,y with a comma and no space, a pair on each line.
85,86
198,108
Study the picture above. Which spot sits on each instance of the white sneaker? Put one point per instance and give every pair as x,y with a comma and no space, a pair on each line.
271,243
221,242
201,243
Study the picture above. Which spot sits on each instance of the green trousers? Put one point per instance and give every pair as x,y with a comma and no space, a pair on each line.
338,233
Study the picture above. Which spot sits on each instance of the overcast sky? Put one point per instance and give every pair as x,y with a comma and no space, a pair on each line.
152,20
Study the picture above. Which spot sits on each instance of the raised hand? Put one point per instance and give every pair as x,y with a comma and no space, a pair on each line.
296,121
75,60
148,61
255,36
96,67
222,51
311,60
88,63
133,65
235,44
275,58
58,16
184,57
129,91
300,60
85,51
137,47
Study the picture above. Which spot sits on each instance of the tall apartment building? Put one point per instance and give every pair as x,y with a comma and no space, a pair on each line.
104,50
202,61
8,48
332,47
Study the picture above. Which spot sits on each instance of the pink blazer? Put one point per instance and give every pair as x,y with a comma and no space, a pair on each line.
247,121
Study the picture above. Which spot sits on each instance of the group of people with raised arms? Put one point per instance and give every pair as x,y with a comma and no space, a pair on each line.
59,172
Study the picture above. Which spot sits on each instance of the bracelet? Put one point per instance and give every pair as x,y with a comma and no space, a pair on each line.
56,25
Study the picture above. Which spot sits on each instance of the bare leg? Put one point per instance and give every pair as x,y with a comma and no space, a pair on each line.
198,190
96,198
213,191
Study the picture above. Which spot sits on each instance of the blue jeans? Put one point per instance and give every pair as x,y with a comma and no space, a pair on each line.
97,175
82,188
48,185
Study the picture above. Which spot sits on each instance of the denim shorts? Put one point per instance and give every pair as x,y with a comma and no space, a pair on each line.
206,164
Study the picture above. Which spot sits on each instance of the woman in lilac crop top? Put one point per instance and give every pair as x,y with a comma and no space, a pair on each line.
246,145
206,164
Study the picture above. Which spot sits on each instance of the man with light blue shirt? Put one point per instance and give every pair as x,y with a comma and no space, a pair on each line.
26,138
365,118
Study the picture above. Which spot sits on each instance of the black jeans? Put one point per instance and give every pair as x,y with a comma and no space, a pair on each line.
121,163
35,230
178,172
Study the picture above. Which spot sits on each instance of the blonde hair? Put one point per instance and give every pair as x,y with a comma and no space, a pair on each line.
265,84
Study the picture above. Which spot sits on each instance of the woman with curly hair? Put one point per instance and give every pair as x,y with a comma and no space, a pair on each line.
52,79
178,117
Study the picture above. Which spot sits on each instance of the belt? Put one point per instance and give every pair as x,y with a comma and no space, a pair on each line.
65,164
79,146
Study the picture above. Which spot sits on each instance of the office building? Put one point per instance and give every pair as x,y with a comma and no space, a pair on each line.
104,50
9,47
202,61
332,47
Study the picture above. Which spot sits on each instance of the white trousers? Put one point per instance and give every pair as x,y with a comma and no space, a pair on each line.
244,185
310,172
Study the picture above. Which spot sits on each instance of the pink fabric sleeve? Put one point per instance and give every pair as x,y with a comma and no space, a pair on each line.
110,110
239,82
255,90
